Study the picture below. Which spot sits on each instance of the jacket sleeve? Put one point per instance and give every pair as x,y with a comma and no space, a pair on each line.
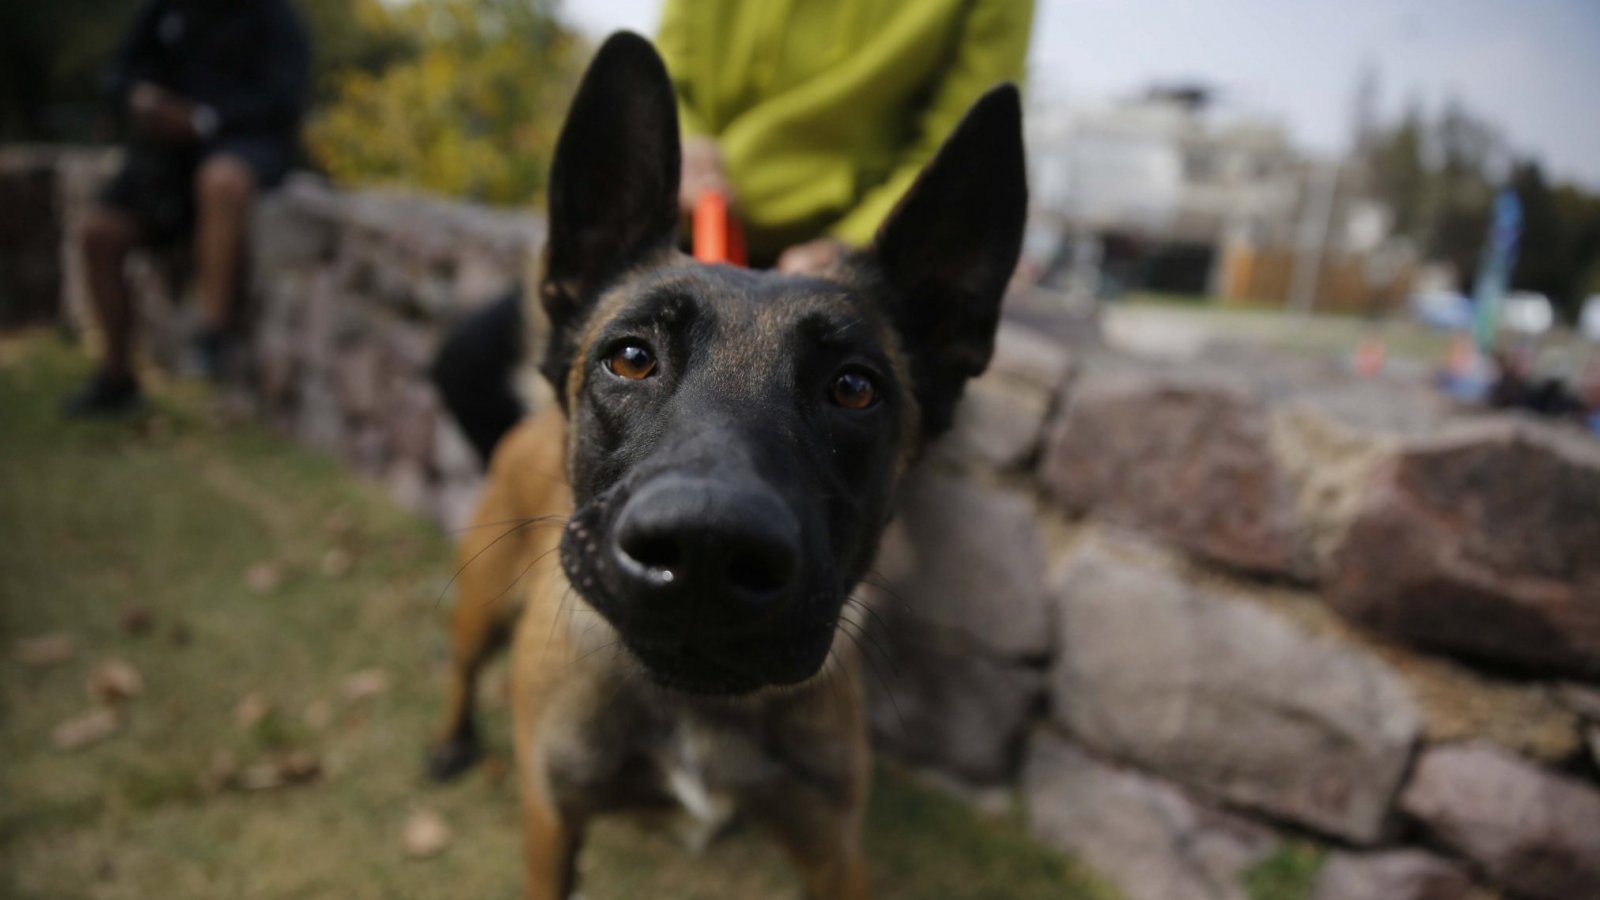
677,52
284,69
130,62
992,48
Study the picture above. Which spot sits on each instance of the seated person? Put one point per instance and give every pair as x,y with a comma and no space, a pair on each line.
211,92
813,118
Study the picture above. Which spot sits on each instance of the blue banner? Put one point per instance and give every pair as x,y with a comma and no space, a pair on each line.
1494,271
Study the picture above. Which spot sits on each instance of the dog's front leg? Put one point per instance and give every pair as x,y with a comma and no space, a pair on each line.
825,847
549,846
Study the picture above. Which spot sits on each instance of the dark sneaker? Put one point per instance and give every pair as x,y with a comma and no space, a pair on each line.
105,397
207,356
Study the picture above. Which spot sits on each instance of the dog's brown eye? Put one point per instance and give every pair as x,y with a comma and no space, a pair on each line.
853,390
632,362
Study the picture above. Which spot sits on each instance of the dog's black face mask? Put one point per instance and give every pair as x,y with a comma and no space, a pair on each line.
736,437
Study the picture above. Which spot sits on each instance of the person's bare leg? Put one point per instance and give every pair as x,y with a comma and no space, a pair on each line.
224,190
107,237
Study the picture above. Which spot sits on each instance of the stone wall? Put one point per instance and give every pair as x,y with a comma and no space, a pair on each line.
1205,615
1190,618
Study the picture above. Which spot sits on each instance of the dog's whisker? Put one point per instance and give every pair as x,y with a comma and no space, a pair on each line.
525,570
878,580
474,558
888,689
522,520
883,655
555,623
867,633
855,602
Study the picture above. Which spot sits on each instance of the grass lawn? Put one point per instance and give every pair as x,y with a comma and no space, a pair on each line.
1204,319
223,563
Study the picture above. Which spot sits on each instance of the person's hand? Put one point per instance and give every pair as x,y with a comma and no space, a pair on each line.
160,115
702,171
812,257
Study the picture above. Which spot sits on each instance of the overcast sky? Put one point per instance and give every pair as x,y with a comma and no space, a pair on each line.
1530,66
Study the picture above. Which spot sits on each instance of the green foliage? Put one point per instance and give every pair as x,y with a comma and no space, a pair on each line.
1288,874
913,836
51,57
1440,176
474,111
351,35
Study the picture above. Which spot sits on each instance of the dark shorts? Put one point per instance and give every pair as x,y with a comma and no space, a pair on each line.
156,184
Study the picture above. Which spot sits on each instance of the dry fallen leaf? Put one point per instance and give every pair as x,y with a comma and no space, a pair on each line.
318,715
337,563
365,684
281,770
221,773
495,768
251,710
113,681
264,577
425,834
262,776
89,728
299,766
136,620
46,649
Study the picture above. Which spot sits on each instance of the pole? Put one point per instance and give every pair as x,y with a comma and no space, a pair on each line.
1312,241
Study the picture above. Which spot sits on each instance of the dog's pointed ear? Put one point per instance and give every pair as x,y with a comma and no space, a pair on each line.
613,196
949,248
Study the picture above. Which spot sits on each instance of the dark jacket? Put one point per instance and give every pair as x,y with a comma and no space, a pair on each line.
246,59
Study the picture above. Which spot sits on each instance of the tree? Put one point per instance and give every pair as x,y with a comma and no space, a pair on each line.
1400,173
474,112
1542,257
51,58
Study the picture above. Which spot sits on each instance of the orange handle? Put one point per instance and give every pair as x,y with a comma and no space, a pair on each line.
717,236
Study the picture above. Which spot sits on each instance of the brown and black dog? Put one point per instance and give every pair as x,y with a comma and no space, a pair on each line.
721,462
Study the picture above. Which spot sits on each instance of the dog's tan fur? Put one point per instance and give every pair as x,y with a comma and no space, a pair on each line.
592,735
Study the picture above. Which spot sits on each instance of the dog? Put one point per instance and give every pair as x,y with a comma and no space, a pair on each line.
687,521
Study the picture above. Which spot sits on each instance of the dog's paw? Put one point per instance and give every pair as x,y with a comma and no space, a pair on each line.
452,757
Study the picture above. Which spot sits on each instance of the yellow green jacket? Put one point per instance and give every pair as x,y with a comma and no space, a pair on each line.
825,110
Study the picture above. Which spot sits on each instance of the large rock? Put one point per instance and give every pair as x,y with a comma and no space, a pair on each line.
1393,875
1226,694
970,560
1183,454
1001,417
1482,543
1258,464
1150,839
1535,832
997,424
936,700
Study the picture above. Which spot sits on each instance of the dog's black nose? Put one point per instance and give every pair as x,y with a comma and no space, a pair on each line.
708,541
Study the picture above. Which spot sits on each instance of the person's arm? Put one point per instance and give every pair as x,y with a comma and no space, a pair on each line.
678,53
130,63
284,67
993,48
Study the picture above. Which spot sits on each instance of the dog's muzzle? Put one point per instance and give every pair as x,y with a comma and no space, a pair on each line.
704,581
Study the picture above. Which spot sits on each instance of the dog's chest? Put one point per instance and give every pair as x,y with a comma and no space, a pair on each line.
708,772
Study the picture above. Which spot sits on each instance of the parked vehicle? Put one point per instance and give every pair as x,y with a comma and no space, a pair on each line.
1444,310
1589,318
1526,312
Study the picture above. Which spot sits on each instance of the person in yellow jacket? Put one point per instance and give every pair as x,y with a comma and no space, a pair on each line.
813,116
